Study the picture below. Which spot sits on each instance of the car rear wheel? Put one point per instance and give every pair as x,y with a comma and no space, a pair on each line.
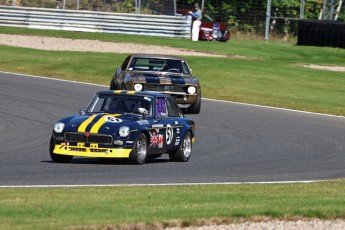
56,157
184,151
139,150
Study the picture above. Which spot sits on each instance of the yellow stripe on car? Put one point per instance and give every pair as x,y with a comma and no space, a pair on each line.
95,128
83,125
124,91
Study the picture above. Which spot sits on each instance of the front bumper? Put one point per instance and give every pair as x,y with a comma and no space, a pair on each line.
93,151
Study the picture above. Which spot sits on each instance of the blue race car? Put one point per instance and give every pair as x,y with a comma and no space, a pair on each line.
125,124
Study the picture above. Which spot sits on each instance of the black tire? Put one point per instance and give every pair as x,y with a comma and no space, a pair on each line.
184,152
112,85
56,157
139,150
195,108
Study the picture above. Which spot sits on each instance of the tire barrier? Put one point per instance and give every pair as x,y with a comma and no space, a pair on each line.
321,33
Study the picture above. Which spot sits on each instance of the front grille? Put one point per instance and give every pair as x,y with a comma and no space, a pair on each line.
92,138
158,87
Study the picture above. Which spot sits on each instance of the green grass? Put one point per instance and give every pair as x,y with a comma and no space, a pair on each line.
56,208
269,74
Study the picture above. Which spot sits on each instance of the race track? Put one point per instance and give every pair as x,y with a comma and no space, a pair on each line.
235,142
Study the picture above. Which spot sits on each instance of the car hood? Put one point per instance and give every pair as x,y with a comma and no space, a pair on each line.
162,78
103,123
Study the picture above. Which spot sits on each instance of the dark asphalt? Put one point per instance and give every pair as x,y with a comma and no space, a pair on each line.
235,143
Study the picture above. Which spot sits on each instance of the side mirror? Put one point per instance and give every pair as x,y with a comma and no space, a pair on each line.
82,112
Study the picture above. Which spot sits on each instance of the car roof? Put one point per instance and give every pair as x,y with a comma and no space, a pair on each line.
127,92
157,56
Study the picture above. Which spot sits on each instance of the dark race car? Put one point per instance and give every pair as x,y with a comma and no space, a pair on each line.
162,74
124,124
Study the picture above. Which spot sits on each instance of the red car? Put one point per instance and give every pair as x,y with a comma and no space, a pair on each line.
210,30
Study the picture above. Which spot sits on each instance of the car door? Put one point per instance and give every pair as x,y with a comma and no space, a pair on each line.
168,125
157,130
163,131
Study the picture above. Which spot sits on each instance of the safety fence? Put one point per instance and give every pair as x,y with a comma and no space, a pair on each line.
89,21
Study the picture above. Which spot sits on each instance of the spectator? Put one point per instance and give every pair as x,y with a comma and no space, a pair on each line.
197,16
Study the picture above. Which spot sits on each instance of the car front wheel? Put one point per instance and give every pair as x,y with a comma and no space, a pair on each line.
56,157
195,108
139,150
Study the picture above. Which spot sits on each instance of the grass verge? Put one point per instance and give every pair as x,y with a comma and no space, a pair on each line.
56,208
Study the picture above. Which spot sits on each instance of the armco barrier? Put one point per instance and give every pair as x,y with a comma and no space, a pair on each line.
321,33
89,21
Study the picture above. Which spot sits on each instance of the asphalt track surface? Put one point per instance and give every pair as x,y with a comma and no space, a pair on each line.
234,143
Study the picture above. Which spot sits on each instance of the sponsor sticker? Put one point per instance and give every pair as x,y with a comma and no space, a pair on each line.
112,119
143,122
157,126
156,140
169,134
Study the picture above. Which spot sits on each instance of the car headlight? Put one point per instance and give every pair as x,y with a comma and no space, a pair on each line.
138,87
58,127
124,131
191,90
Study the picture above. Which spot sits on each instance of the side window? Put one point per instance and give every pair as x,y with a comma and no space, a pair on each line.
173,109
161,107
185,68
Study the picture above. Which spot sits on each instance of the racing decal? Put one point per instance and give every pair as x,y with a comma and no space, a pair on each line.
157,126
143,122
112,119
103,120
169,134
83,125
177,142
153,79
156,140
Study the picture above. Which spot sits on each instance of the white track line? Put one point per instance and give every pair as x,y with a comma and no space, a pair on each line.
144,185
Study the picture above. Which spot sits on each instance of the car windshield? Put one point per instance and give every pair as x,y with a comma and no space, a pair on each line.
116,103
159,65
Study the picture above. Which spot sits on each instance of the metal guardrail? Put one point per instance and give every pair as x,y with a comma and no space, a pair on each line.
89,21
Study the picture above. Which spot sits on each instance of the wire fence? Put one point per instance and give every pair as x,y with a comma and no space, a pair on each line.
246,18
